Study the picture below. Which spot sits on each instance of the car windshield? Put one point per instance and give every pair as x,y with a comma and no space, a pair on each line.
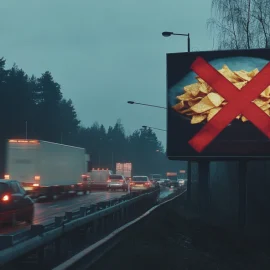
139,178
116,177
3,187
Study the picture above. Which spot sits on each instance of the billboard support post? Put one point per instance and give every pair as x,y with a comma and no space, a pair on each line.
242,207
204,191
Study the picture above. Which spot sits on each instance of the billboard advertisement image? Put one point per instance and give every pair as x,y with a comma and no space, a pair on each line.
218,105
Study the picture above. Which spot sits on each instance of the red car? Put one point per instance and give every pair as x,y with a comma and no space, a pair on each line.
15,204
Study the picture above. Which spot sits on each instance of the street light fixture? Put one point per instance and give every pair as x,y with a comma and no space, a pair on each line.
168,34
154,128
144,104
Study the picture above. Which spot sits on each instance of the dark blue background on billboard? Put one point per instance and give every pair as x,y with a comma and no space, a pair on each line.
240,139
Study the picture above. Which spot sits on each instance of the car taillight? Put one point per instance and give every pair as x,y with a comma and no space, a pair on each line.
147,184
5,198
35,185
121,180
109,181
131,183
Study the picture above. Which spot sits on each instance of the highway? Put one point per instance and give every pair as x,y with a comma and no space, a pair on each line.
46,211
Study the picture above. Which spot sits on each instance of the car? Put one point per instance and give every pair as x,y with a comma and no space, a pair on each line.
117,181
15,204
155,182
181,182
140,183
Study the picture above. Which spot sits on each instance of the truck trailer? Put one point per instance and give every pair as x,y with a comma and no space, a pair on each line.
46,168
99,178
124,169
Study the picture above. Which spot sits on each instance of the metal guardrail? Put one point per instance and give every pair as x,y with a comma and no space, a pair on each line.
94,252
21,243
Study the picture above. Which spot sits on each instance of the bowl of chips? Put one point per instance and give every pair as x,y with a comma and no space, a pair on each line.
194,100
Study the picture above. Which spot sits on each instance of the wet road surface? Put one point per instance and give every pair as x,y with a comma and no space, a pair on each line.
46,211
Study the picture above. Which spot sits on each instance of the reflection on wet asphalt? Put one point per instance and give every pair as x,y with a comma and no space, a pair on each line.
46,211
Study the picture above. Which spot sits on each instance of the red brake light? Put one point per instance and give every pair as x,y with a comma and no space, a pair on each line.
5,198
109,181
131,183
147,184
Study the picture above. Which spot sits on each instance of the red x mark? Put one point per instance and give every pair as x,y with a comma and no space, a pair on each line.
239,102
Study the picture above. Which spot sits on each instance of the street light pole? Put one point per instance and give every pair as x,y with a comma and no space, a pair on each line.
168,34
188,42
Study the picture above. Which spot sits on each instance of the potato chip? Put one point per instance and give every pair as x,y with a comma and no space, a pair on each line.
230,75
243,74
204,105
212,113
259,102
239,85
192,89
198,118
266,93
265,107
186,111
215,98
179,106
244,119
253,73
190,113
194,101
186,96
201,102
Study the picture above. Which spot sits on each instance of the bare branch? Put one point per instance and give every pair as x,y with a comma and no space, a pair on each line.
240,24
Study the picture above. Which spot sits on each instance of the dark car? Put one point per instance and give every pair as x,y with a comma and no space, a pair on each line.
15,204
117,181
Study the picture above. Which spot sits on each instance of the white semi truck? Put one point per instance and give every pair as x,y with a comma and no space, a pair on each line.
46,168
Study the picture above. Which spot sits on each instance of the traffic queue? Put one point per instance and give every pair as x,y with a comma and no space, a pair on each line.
15,199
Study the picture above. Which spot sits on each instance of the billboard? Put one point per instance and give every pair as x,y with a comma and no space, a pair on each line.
218,105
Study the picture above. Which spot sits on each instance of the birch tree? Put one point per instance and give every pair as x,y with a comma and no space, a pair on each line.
240,24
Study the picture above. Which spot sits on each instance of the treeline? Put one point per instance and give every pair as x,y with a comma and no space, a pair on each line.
35,108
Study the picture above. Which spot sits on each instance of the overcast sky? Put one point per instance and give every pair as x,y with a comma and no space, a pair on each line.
104,53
